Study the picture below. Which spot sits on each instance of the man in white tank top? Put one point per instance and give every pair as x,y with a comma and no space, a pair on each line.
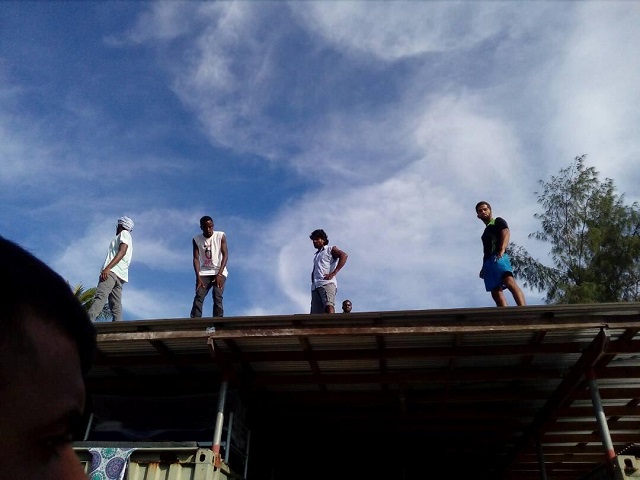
210,255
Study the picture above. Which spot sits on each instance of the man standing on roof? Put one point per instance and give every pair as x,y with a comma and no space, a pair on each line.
115,271
210,255
496,268
327,262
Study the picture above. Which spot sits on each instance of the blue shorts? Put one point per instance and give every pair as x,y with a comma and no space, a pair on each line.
493,271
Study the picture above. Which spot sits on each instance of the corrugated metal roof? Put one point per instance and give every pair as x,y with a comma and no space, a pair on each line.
473,389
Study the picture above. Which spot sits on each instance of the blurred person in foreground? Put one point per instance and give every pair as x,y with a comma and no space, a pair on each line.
496,268
115,271
47,343
327,262
210,254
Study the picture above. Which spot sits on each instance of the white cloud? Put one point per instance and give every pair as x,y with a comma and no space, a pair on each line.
393,118
394,30
597,89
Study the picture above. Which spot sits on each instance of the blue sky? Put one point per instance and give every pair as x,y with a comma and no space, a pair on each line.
381,122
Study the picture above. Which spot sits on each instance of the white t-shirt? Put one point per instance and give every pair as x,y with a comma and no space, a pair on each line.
121,268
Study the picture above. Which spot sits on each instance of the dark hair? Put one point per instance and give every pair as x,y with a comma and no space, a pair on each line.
319,234
30,286
482,203
206,218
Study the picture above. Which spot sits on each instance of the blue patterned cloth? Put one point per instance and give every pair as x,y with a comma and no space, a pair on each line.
109,463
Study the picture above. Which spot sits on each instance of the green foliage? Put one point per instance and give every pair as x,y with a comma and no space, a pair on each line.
84,295
594,237
86,298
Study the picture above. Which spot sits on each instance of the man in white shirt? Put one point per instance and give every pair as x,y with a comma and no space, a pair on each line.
115,271
327,262
210,254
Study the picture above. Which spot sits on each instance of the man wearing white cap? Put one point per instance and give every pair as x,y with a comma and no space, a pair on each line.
115,271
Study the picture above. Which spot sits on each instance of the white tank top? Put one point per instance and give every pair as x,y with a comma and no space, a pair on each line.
210,254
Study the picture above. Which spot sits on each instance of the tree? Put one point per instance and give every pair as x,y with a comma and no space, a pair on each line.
594,237
86,298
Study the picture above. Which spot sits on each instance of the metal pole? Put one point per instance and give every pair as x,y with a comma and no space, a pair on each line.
89,425
229,430
605,436
217,433
246,454
541,464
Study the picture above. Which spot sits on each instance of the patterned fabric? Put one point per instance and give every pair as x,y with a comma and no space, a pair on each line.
126,222
109,463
